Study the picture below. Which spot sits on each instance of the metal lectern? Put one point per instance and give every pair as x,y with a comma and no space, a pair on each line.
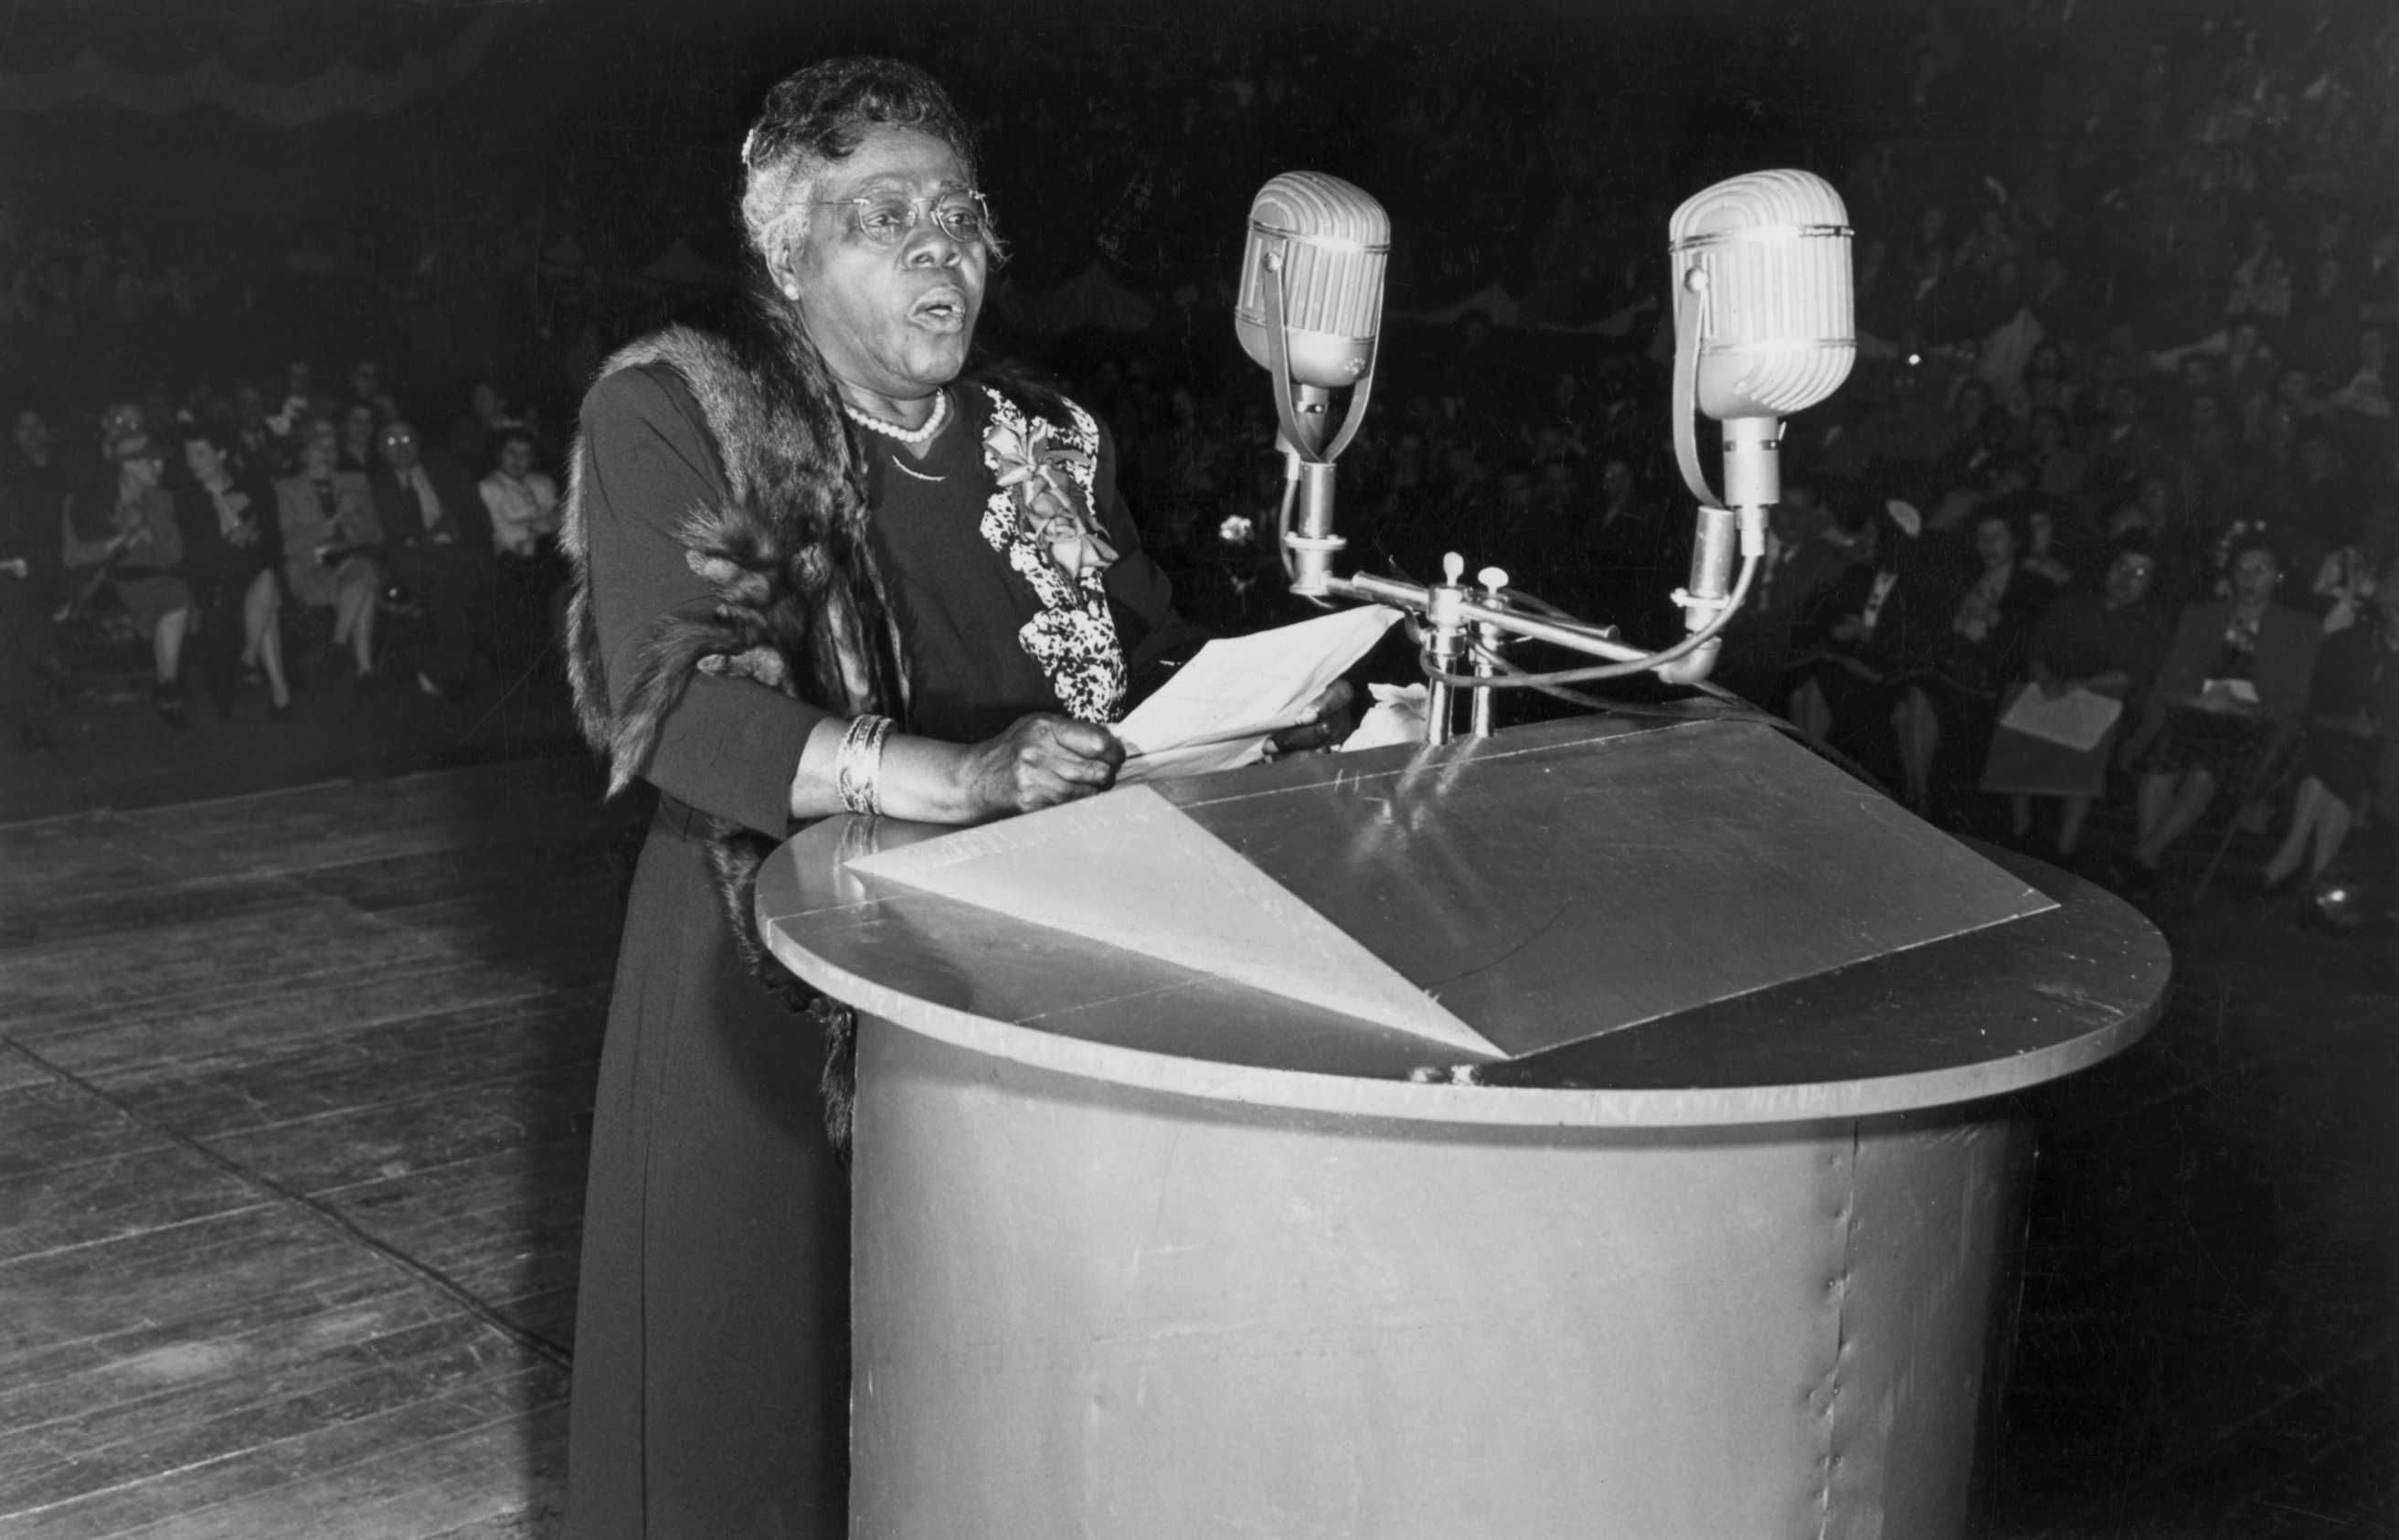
1600,1128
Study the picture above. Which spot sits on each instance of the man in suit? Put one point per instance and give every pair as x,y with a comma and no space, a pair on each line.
438,541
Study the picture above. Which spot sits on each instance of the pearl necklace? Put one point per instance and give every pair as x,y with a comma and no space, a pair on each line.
933,425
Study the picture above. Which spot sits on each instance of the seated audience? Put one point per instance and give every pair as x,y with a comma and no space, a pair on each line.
120,533
1994,379
1990,626
1862,643
233,538
1806,548
29,541
474,437
522,503
330,535
358,438
2109,642
2346,762
438,542
2229,696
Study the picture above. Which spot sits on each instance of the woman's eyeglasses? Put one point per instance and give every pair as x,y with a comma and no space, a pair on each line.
885,219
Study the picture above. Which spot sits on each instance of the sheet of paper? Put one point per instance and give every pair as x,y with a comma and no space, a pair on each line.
1396,716
2234,692
1218,711
2078,719
1131,869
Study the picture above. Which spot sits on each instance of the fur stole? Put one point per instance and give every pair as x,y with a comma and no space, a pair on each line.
800,605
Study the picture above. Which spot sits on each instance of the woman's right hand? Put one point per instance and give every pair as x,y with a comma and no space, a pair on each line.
1038,762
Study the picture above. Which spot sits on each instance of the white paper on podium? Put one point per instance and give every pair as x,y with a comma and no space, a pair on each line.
2228,693
1128,869
1218,711
2078,719
1396,716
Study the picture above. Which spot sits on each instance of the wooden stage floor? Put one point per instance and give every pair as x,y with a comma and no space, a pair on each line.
294,1096
292,1092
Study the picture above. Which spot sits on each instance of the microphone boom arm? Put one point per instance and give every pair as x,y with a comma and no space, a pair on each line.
1763,290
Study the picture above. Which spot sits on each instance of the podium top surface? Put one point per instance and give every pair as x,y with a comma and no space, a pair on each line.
1591,922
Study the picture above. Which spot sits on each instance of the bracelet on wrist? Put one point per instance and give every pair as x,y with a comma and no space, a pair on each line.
858,764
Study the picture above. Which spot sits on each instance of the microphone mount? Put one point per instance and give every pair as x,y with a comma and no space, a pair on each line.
1462,627
1777,342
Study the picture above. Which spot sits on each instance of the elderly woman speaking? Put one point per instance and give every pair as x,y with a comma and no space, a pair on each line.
817,570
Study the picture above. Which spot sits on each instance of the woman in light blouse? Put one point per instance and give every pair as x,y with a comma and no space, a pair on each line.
2233,687
122,528
329,533
522,501
524,505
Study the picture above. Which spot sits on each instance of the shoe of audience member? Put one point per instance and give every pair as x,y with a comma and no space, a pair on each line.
424,684
167,699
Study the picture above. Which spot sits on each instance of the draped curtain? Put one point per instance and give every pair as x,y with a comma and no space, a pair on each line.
343,88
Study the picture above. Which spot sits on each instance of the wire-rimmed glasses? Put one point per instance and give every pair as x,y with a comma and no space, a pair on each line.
885,219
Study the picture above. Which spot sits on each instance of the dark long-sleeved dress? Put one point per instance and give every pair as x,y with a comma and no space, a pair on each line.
2278,661
711,1375
2352,704
2080,636
222,561
29,542
1894,649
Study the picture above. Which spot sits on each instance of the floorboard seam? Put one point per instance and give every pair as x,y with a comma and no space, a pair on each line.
242,991
165,1394
137,814
171,1007
151,1526
440,1093
322,1213
88,814
22,1258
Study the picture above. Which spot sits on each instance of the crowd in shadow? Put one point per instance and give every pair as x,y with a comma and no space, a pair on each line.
227,540
2104,518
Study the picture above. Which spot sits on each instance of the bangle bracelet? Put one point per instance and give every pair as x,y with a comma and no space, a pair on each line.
872,755
858,764
872,759
847,764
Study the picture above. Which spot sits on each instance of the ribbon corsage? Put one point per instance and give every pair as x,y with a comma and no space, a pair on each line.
1039,476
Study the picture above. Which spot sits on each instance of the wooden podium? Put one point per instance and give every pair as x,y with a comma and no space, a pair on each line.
1603,1128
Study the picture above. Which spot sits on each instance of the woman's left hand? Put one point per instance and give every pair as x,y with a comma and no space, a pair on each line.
1328,723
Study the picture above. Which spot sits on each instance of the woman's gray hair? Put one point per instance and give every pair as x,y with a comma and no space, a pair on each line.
815,118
